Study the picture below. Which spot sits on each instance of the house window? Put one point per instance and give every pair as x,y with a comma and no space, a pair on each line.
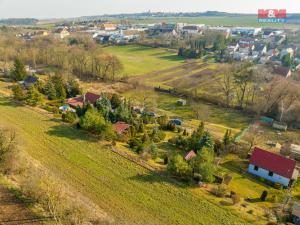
270,174
256,168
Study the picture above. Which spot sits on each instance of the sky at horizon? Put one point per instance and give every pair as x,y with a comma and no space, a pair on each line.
43,9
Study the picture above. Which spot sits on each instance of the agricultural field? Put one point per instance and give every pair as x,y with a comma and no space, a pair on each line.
125,191
247,20
139,60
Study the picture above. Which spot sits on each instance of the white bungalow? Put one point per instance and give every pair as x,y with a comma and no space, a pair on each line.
273,167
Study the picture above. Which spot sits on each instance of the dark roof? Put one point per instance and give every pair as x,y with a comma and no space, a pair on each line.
31,80
267,32
283,71
91,97
275,163
259,46
190,28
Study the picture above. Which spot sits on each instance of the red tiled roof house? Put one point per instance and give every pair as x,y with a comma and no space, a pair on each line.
190,155
273,167
80,100
120,127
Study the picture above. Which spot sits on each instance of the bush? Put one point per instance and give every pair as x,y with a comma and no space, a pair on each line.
235,199
220,191
94,122
18,93
51,109
274,199
179,167
278,186
136,144
69,117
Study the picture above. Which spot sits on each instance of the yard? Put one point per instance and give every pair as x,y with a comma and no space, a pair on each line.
124,190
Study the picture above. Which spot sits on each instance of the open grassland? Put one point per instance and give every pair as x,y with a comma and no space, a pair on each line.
127,192
139,60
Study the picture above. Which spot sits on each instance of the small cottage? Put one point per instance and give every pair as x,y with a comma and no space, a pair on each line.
280,126
267,121
190,155
120,127
273,167
181,102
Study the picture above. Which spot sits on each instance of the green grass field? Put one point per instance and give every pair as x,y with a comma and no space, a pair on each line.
127,192
139,60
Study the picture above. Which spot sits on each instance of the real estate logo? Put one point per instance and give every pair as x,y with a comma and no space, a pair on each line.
271,16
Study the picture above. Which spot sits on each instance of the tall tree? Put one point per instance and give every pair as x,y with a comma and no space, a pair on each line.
18,73
242,79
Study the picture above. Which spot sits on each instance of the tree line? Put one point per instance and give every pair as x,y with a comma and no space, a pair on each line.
81,57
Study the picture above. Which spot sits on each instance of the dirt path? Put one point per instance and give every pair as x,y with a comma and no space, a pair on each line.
14,212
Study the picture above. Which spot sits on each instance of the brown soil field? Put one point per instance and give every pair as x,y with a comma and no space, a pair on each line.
15,212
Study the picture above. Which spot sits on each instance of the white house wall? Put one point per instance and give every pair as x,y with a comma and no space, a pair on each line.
265,174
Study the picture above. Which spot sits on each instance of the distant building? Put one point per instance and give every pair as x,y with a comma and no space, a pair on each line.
62,33
259,49
191,29
108,26
273,167
247,31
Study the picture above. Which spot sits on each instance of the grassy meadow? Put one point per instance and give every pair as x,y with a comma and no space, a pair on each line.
139,60
125,191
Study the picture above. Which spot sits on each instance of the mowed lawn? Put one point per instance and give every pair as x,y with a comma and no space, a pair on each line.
138,60
125,191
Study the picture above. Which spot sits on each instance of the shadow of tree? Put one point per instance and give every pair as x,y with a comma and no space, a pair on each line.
71,133
10,102
171,57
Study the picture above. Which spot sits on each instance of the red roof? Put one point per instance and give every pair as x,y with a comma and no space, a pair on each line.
91,97
190,155
273,162
120,127
74,102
